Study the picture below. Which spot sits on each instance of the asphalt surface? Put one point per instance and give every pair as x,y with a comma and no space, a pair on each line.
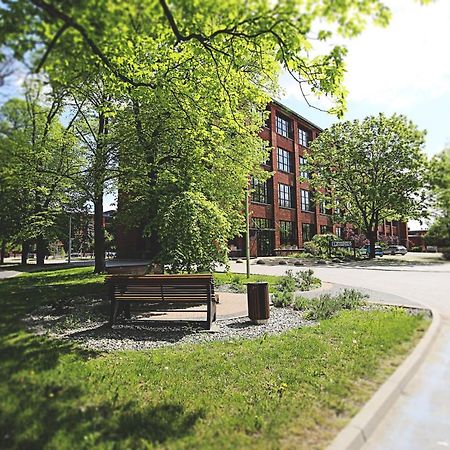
420,418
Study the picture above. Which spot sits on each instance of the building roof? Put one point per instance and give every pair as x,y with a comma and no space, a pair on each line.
290,111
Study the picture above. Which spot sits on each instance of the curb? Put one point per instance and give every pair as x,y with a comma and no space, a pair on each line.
361,427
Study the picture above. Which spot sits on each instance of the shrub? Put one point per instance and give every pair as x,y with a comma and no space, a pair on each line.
416,249
446,253
311,248
326,306
306,280
299,281
322,307
282,299
288,283
351,299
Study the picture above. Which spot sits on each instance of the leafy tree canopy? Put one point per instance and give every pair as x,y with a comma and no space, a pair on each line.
439,233
153,43
370,170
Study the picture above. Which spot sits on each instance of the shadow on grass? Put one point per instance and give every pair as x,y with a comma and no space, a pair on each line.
47,396
64,420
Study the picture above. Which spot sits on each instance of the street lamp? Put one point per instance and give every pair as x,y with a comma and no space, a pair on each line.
70,240
247,231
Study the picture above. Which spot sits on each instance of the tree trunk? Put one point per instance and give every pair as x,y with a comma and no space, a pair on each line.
372,236
99,235
41,249
25,251
3,251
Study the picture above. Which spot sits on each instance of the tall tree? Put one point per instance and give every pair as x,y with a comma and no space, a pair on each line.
439,232
369,171
39,153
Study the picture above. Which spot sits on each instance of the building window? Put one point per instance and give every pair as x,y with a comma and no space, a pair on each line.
323,208
284,160
260,191
325,229
304,136
284,126
287,233
303,172
307,201
308,231
339,232
267,158
260,223
285,197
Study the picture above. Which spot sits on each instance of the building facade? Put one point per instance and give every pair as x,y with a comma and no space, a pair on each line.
283,212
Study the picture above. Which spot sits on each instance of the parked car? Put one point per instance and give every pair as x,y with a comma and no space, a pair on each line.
395,250
366,250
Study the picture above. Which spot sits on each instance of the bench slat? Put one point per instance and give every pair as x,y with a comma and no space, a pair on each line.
163,293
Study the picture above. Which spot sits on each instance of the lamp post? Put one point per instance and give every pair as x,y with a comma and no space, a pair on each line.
247,232
70,240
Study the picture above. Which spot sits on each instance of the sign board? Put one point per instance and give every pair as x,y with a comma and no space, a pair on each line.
344,244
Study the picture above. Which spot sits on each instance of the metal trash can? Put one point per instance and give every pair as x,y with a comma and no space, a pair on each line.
258,302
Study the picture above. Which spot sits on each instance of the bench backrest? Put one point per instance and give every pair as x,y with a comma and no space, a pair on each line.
170,288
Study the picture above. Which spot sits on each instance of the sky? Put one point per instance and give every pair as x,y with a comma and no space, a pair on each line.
404,68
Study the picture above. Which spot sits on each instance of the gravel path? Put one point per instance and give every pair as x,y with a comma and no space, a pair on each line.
84,322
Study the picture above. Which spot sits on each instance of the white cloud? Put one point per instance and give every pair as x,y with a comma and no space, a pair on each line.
405,63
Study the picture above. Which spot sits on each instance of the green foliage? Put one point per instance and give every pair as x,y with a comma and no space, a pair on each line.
375,168
190,396
302,280
311,248
292,282
326,305
446,253
194,233
37,153
282,298
239,280
439,232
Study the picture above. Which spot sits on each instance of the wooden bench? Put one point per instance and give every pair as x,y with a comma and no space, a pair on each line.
165,292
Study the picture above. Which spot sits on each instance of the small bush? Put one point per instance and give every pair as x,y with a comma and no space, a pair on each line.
288,283
326,306
446,253
306,280
311,248
282,299
322,307
301,303
351,299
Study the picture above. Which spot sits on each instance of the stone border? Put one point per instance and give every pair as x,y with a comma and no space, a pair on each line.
361,427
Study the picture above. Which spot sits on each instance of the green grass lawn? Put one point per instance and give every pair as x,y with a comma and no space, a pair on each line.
294,390
240,280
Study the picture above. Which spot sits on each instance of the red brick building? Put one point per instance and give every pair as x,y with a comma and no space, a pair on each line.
283,212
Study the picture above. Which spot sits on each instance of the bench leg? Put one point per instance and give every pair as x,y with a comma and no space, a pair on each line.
127,310
114,311
211,314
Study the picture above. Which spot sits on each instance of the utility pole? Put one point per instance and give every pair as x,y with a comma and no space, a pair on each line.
247,232
70,240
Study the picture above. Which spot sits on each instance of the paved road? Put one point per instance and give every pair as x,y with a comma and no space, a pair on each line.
420,419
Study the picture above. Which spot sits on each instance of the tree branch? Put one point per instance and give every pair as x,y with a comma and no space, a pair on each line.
55,13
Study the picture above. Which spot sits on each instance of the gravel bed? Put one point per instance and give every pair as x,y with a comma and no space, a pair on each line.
84,321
